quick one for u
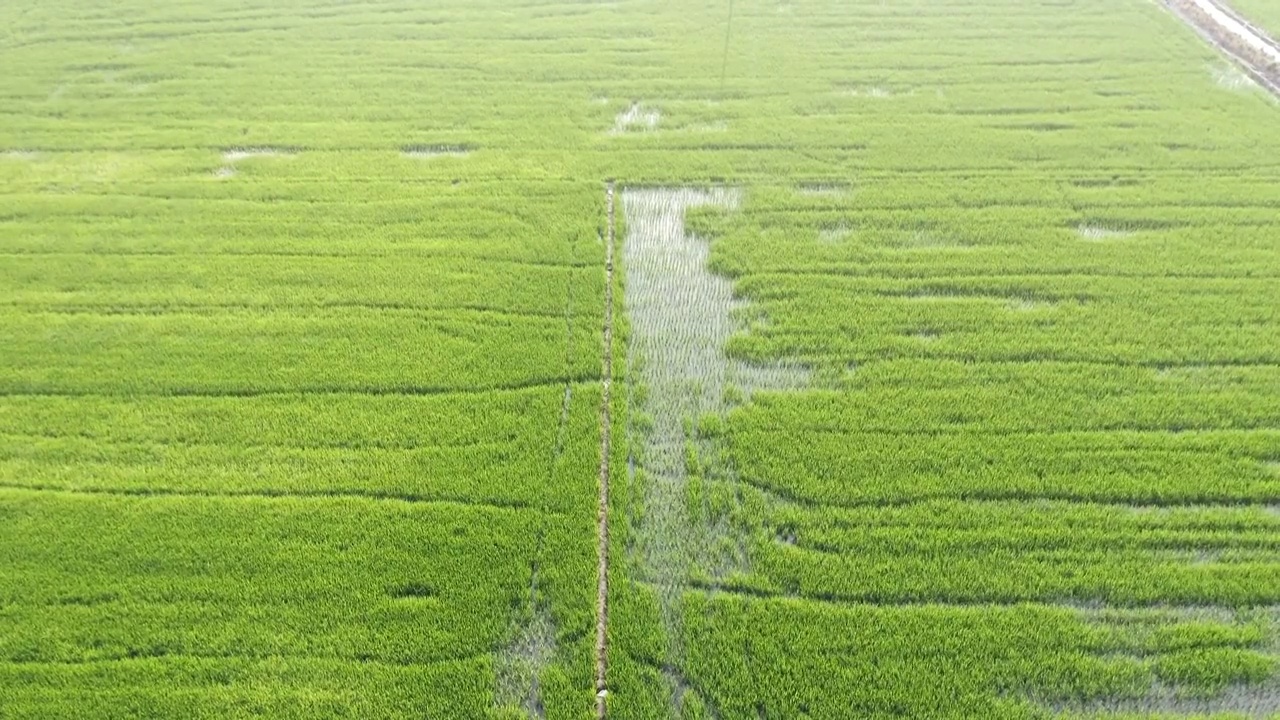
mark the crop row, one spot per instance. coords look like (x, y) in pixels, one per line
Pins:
(293, 421)
(488, 466)
(60, 209)
(1147, 468)
(176, 282)
(150, 587)
(248, 352)
(1035, 289)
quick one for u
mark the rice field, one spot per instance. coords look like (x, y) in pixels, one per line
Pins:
(943, 341)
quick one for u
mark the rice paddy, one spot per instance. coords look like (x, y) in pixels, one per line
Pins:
(940, 374)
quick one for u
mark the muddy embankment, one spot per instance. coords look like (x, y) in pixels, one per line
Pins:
(1256, 52)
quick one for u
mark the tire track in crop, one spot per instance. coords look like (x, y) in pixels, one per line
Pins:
(606, 423)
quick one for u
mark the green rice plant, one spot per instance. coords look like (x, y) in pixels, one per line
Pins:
(300, 323)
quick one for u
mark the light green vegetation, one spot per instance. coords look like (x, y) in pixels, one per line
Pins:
(304, 435)
(1035, 278)
(315, 433)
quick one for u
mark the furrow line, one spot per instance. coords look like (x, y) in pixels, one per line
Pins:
(268, 495)
(250, 657)
(410, 391)
(1064, 604)
(975, 430)
(10, 434)
(884, 271)
(264, 255)
(780, 496)
(108, 309)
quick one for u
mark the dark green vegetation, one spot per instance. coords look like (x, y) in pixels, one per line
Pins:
(295, 423)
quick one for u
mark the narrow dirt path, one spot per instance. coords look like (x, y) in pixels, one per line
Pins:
(606, 433)
(1249, 46)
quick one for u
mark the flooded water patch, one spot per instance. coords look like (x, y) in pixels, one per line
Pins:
(236, 154)
(519, 665)
(636, 118)
(681, 316)
(1099, 233)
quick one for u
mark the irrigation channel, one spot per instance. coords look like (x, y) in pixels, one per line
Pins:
(1242, 41)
